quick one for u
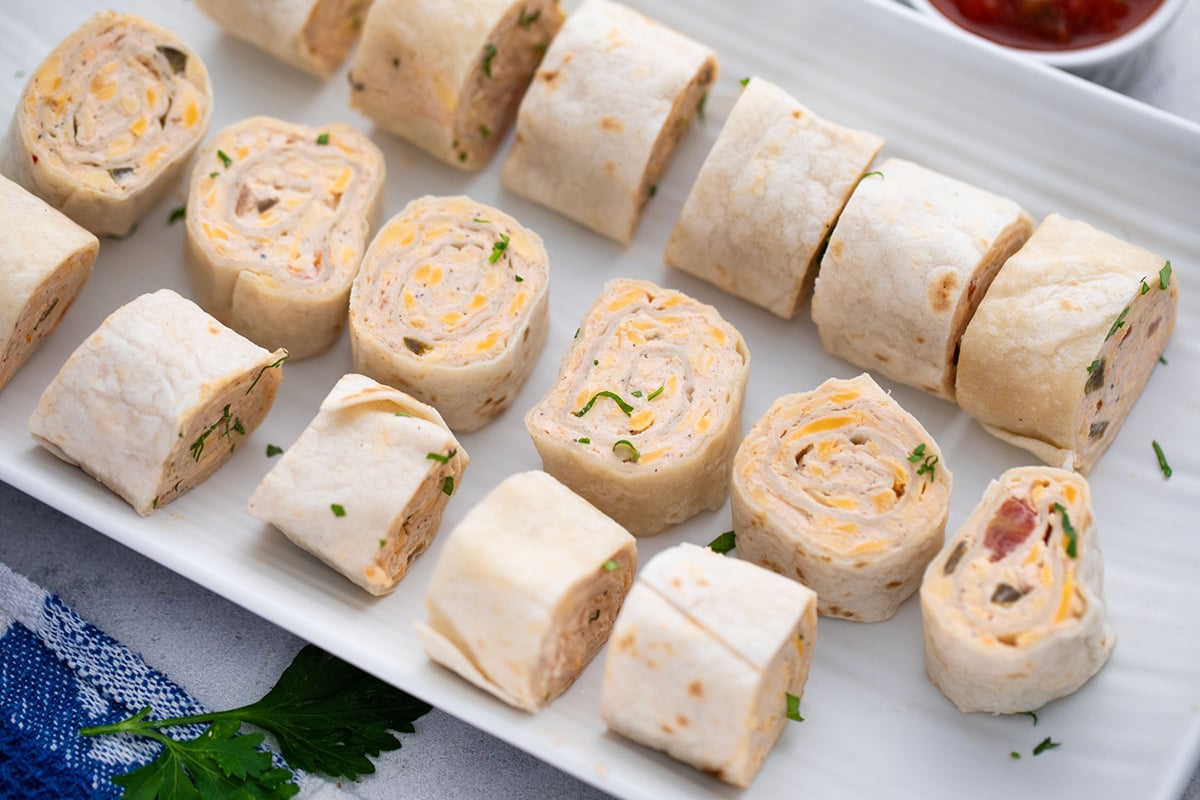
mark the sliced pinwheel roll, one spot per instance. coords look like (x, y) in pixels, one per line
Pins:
(526, 589)
(843, 490)
(450, 306)
(757, 217)
(1013, 606)
(606, 108)
(312, 35)
(45, 259)
(368, 530)
(278, 217)
(708, 659)
(645, 416)
(910, 259)
(157, 399)
(448, 75)
(108, 121)
(1065, 341)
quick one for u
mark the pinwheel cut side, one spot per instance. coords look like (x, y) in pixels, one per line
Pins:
(45, 259)
(448, 75)
(1065, 341)
(369, 530)
(278, 217)
(1013, 606)
(526, 590)
(703, 658)
(908, 263)
(156, 399)
(106, 124)
(645, 415)
(450, 306)
(843, 490)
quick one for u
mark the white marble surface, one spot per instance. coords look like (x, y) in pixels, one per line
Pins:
(225, 655)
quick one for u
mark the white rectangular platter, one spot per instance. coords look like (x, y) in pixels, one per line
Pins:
(875, 726)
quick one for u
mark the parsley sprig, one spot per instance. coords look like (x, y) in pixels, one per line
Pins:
(328, 717)
(928, 462)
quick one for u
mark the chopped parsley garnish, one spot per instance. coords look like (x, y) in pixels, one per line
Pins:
(231, 423)
(723, 543)
(917, 454)
(609, 565)
(700, 106)
(1164, 276)
(869, 174)
(576, 333)
(382, 543)
(525, 20)
(1118, 324)
(442, 459)
(1092, 367)
(636, 393)
(323, 138)
(625, 449)
(518, 279)
(595, 362)
(1044, 745)
(489, 52)
(448, 485)
(1014, 755)
(226, 160)
(1162, 459)
(653, 190)
(584, 440)
(744, 81)
(273, 450)
(793, 708)
(1145, 286)
(1072, 538)
(338, 509)
(485, 131)
(278, 362)
(1162, 360)
(213, 174)
(498, 248)
(176, 215)
(621, 404)
(1031, 714)
(655, 393)
(484, 221)
(928, 462)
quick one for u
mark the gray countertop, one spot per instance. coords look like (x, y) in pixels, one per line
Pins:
(225, 655)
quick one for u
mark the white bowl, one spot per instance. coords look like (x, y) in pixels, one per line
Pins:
(1110, 62)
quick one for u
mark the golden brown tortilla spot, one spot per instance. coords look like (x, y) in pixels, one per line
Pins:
(941, 293)
(611, 124)
(836, 610)
(610, 169)
(1067, 304)
(800, 575)
(676, 582)
(627, 642)
(796, 113)
(667, 729)
(880, 357)
(836, 247)
(920, 340)
(696, 688)
(682, 721)
(213, 329)
(548, 75)
(859, 564)
(892, 585)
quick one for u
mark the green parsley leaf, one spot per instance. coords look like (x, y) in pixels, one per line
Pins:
(744, 81)
(498, 248)
(442, 459)
(1162, 459)
(273, 450)
(584, 440)
(176, 215)
(277, 363)
(928, 462)
(636, 393)
(577, 333)
(448, 485)
(621, 404)
(1014, 755)
(213, 174)
(1162, 361)
(485, 131)
(484, 221)
(723, 543)
(917, 454)
(793, 708)
(869, 174)
(700, 106)
(225, 159)
(338, 509)
(609, 565)
(1031, 714)
(656, 392)
(489, 52)
(1118, 324)
(1072, 537)
(653, 190)
(518, 279)
(625, 449)
(1092, 367)
(1164, 275)
(1044, 745)
(525, 19)
(1145, 286)
(323, 138)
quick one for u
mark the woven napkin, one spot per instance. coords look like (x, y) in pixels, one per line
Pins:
(60, 673)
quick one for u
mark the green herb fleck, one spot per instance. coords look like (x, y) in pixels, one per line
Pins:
(197, 447)
(1031, 715)
(525, 20)
(625, 449)
(1092, 367)
(518, 279)
(1162, 460)
(442, 459)
(382, 543)
(448, 485)
(226, 160)
(1145, 286)
(576, 333)
(154, 503)
(621, 404)
(213, 174)
(653, 190)
(273, 450)
(1044, 745)
(744, 81)
(498, 248)
(1118, 324)
(610, 565)
(176, 215)
(723, 543)
(656, 392)
(485, 131)
(403, 414)
(928, 462)
(462, 156)
(323, 138)
(869, 174)
(338, 509)
(700, 107)
(278, 362)
(484, 221)
(636, 393)
(595, 362)
(917, 454)
(584, 440)
(489, 52)
(1164, 275)
(793, 708)
(1072, 537)
(1162, 360)
(1014, 755)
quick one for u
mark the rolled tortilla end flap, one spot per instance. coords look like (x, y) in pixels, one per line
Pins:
(1013, 606)
(369, 530)
(526, 590)
(451, 306)
(843, 490)
(645, 415)
(703, 658)
(156, 399)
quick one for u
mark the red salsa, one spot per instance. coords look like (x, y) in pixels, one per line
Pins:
(1048, 24)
